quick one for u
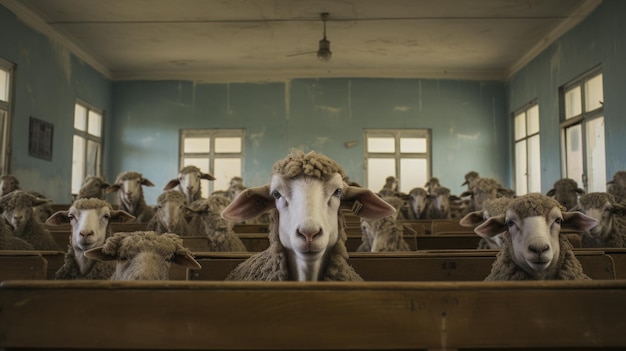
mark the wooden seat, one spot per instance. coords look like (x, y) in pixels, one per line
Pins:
(153, 315)
(449, 241)
(448, 225)
(24, 265)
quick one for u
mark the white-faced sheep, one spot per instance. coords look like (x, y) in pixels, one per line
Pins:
(383, 234)
(8, 241)
(486, 188)
(170, 216)
(419, 199)
(206, 221)
(17, 209)
(491, 208)
(130, 193)
(143, 255)
(307, 240)
(438, 204)
(93, 187)
(617, 186)
(188, 183)
(90, 221)
(44, 210)
(566, 192)
(533, 247)
(8, 183)
(610, 231)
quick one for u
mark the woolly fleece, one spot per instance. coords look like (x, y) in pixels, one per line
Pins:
(33, 231)
(387, 230)
(616, 236)
(206, 221)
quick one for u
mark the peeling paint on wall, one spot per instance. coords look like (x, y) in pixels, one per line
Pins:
(64, 59)
(319, 143)
(330, 110)
(468, 136)
(401, 108)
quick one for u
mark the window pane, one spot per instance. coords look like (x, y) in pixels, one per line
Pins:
(225, 169)
(533, 120)
(227, 144)
(80, 117)
(574, 153)
(413, 145)
(413, 173)
(381, 145)
(520, 126)
(534, 165)
(197, 145)
(594, 93)
(4, 85)
(3, 140)
(78, 163)
(203, 164)
(378, 169)
(573, 102)
(95, 123)
(521, 179)
(93, 158)
(596, 162)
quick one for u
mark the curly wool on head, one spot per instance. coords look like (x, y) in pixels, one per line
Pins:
(496, 207)
(170, 196)
(130, 244)
(17, 199)
(128, 175)
(90, 204)
(534, 204)
(311, 164)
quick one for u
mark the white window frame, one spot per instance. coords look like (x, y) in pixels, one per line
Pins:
(397, 154)
(5, 122)
(90, 137)
(212, 155)
(583, 119)
(530, 183)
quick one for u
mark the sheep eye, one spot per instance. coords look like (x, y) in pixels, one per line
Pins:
(558, 221)
(276, 194)
(338, 193)
(71, 217)
(106, 216)
(510, 223)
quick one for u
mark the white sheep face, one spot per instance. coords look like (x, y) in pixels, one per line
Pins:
(535, 240)
(131, 189)
(89, 226)
(170, 214)
(189, 184)
(308, 210)
(18, 217)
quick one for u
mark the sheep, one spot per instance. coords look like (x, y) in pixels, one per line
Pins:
(93, 187)
(611, 228)
(8, 183)
(533, 248)
(432, 184)
(418, 202)
(188, 182)
(383, 234)
(617, 186)
(566, 192)
(130, 193)
(438, 204)
(90, 221)
(143, 255)
(307, 240)
(486, 188)
(390, 188)
(17, 209)
(170, 215)
(206, 220)
(8, 241)
(44, 210)
(491, 208)
(471, 178)
(236, 186)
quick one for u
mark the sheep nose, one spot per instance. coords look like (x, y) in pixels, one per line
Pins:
(309, 234)
(539, 249)
(86, 233)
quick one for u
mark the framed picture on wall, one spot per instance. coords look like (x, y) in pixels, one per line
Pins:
(40, 135)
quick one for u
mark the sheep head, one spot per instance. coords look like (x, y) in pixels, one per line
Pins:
(17, 208)
(603, 208)
(307, 190)
(566, 192)
(93, 186)
(8, 183)
(533, 222)
(418, 201)
(491, 208)
(130, 184)
(188, 182)
(170, 209)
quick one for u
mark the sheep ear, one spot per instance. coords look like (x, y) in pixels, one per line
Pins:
(121, 216)
(186, 260)
(207, 176)
(113, 188)
(466, 193)
(577, 221)
(580, 191)
(619, 209)
(249, 204)
(472, 219)
(171, 184)
(551, 192)
(98, 254)
(364, 203)
(58, 218)
(146, 182)
(491, 227)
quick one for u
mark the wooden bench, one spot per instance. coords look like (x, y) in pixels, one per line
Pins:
(314, 316)
(448, 225)
(458, 265)
(22, 265)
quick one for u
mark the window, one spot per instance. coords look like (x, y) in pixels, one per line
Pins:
(527, 151)
(404, 154)
(87, 149)
(582, 126)
(215, 151)
(6, 83)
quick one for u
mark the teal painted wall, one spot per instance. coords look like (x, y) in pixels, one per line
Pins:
(48, 80)
(468, 121)
(599, 40)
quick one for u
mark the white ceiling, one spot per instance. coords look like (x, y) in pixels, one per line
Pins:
(235, 40)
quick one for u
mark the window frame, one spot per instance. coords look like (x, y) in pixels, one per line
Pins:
(397, 155)
(5, 126)
(90, 137)
(525, 110)
(212, 155)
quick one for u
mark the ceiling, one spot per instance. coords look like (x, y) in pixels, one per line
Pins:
(246, 40)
